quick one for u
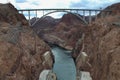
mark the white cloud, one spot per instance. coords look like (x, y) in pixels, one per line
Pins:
(42, 4)
(3, 1)
(93, 4)
(32, 4)
(35, 4)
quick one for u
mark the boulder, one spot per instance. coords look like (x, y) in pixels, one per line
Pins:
(47, 75)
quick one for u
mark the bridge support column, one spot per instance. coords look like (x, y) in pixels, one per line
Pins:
(29, 16)
(77, 11)
(101, 14)
(90, 18)
(83, 14)
(43, 12)
(36, 13)
(95, 15)
(21, 12)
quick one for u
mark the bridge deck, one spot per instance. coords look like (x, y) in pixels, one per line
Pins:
(62, 9)
(89, 12)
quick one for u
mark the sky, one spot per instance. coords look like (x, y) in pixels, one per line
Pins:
(40, 4)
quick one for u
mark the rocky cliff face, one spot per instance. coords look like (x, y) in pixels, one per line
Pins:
(102, 44)
(21, 51)
(43, 25)
(112, 10)
(9, 14)
(65, 33)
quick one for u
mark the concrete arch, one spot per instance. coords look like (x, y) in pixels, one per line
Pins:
(60, 11)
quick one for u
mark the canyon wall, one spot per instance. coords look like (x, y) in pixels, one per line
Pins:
(21, 50)
(102, 45)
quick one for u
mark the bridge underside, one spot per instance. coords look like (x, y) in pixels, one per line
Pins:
(76, 14)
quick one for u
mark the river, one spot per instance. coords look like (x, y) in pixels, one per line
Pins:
(64, 66)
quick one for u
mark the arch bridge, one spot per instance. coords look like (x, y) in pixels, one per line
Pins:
(80, 13)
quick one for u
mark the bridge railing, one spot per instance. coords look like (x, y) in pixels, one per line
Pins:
(83, 12)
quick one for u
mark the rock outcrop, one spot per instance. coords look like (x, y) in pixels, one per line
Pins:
(111, 10)
(102, 45)
(21, 50)
(65, 33)
(9, 14)
(43, 25)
